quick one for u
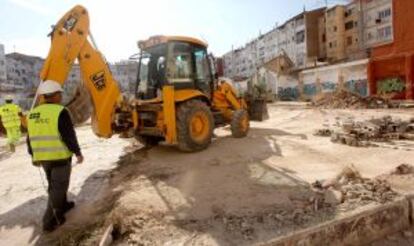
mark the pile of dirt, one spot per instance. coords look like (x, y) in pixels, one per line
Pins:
(342, 99)
(346, 192)
(240, 229)
(363, 133)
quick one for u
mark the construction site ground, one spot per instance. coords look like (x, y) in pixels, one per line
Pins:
(237, 192)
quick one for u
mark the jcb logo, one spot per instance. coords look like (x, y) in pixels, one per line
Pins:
(98, 80)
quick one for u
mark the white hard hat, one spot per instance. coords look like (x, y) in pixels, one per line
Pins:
(8, 97)
(49, 87)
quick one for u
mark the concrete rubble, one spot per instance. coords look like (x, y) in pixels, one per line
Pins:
(234, 197)
(346, 192)
(364, 133)
(341, 99)
(403, 169)
(350, 189)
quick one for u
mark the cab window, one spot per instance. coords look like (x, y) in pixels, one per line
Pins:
(202, 69)
(180, 63)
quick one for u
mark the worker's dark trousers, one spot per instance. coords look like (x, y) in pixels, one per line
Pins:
(58, 176)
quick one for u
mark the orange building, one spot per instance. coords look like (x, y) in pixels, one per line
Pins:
(391, 68)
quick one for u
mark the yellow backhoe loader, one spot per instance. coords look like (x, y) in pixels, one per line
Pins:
(178, 99)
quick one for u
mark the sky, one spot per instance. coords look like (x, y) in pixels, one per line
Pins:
(117, 25)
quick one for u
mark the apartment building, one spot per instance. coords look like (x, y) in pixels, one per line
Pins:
(391, 67)
(377, 22)
(292, 39)
(19, 75)
(323, 52)
(3, 67)
(241, 63)
(297, 38)
(335, 33)
(125, 73)
(354, 49)
(22, 72)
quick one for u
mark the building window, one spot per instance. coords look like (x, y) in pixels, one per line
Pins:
(349, 12)
(335, 28)
(384, 14)
(384, 33)
(349, 25)
(324, 38)
(300, 37)
(349, 41)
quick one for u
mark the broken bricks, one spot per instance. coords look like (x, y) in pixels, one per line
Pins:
(346, 99)
(351, 189)
(362, 133)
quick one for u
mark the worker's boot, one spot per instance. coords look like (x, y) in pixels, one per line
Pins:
(68, 206)
(12, 148)
(54, 224)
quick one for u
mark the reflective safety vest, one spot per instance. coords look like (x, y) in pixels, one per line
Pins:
(9, 113)
(44, 136)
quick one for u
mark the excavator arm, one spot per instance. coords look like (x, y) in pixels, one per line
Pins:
(69, 41)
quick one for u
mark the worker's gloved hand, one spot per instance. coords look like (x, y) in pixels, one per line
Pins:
(79, 159)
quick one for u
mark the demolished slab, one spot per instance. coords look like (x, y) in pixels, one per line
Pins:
(365, 133)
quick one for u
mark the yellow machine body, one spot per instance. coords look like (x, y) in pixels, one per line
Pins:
(179, 111)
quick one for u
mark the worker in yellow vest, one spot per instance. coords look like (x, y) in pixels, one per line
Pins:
(51, 142)
(10, 115)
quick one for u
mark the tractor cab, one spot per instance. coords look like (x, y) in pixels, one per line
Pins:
(178, 61)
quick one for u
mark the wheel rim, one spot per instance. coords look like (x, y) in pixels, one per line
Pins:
(199, 127)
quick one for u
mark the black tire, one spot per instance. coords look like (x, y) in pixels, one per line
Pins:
(148, 141)
(186, 113)
(240, 123)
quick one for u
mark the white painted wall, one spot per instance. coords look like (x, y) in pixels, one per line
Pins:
(354, 77)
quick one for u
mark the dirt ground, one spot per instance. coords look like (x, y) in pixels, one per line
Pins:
(237, 192)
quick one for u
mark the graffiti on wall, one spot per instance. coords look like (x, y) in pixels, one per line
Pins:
(359, 86)
(310, 89)
(390, 85)
(328, 86)
(288, 93)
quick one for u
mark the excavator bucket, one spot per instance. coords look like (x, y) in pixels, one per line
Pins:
(258, 109)
(80, 107)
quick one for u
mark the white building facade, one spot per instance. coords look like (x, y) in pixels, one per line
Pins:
(19, 76)
(377, 22)
(3, 67)
(291, 39)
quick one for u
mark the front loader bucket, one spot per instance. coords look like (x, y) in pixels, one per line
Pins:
(258, 110)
